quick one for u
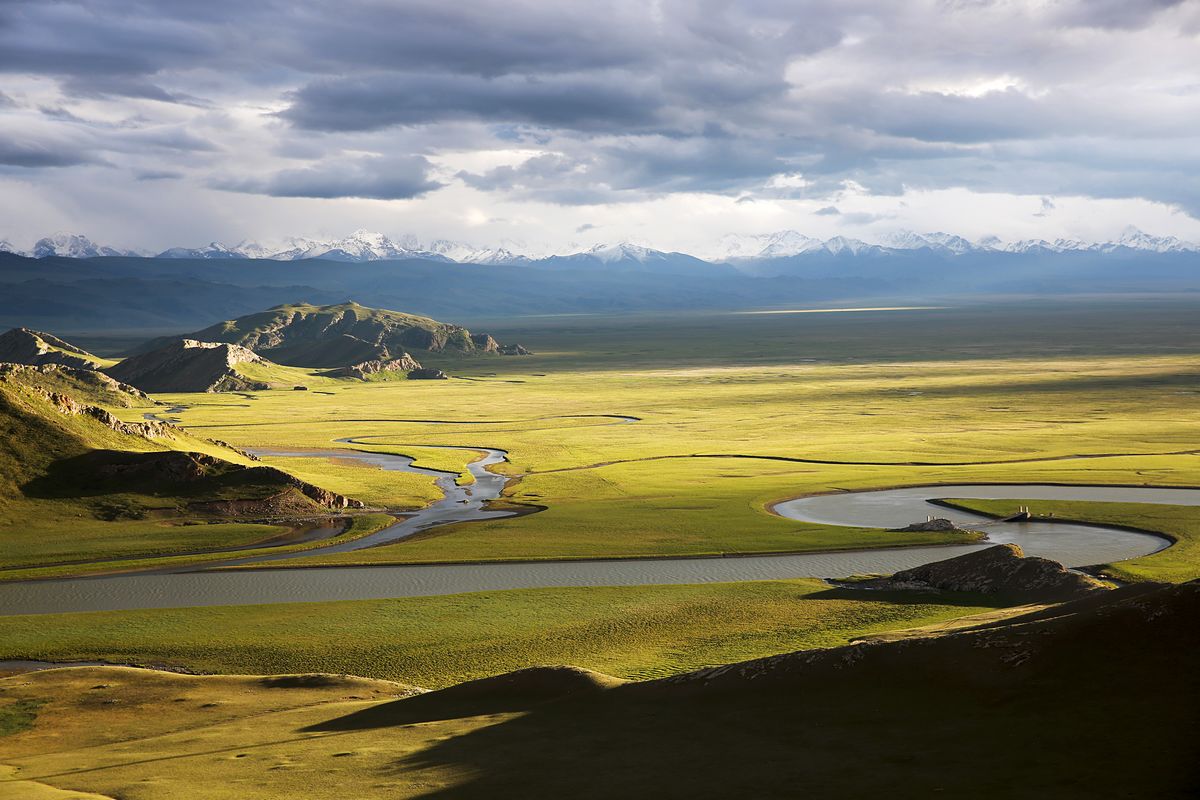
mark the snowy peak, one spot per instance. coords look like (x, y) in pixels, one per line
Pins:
(1135, 239)
(72, 245)
(211, 250)
(612, 253)
(781, 244)
(785, 244)
(468, 254)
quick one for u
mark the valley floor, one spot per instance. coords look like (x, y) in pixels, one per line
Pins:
(731, 413)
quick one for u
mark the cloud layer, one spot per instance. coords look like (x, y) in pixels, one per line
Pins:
(527, 110)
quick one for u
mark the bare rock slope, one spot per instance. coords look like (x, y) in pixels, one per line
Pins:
(188, 365)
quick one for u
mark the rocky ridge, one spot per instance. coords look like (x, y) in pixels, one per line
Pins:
(365, 369)
(35, 348)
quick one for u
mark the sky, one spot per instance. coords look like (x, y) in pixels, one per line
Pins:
(554, 125)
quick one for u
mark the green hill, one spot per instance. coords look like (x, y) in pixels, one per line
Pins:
(338, 335)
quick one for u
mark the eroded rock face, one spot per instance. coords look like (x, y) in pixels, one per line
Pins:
(25, 346)
(65, 404)
(188, 365)
(405, 363)
(514, 350)
(484, 343)
(1001, 570)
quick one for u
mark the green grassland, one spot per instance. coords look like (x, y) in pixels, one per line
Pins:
(135, 548)
(1178, 563)
(632, 632)
(737, 411)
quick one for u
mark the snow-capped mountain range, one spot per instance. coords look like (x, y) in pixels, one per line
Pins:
(368, 246)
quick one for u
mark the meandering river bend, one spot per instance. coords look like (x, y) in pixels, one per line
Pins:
(1074, 545)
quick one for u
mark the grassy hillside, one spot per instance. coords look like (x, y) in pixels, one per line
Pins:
(1033, 706)
(77, 483)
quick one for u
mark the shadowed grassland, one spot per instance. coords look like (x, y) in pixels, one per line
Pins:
(632, 632)
(1178, 563)
(1028, 709)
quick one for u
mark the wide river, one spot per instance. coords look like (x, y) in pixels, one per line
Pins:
(1074, 545)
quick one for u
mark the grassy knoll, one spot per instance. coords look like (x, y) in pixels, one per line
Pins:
(1178, 563)
(633, 632)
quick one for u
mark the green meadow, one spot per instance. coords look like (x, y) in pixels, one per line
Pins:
(631, 632)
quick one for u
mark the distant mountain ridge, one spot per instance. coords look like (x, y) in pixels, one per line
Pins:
(364, 246)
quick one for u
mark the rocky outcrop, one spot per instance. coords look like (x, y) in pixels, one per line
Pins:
(149, 429)
(484, 343)
(25, 346)
(405, 363)
(188, 365)
(175, 469)
(68, 405)
(514, 350)
(1003, 570)
(933, 524)
(427, 374)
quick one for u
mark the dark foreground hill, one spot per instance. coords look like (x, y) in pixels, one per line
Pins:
(62, 454)
(338, 335)
(1095, 698)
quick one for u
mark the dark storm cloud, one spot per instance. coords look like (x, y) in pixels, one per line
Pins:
(622, 99)
(578, 102)
(371, 178)
(32, 155)
(1114, 13)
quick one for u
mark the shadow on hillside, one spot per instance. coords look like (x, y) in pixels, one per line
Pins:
(1083, 706)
